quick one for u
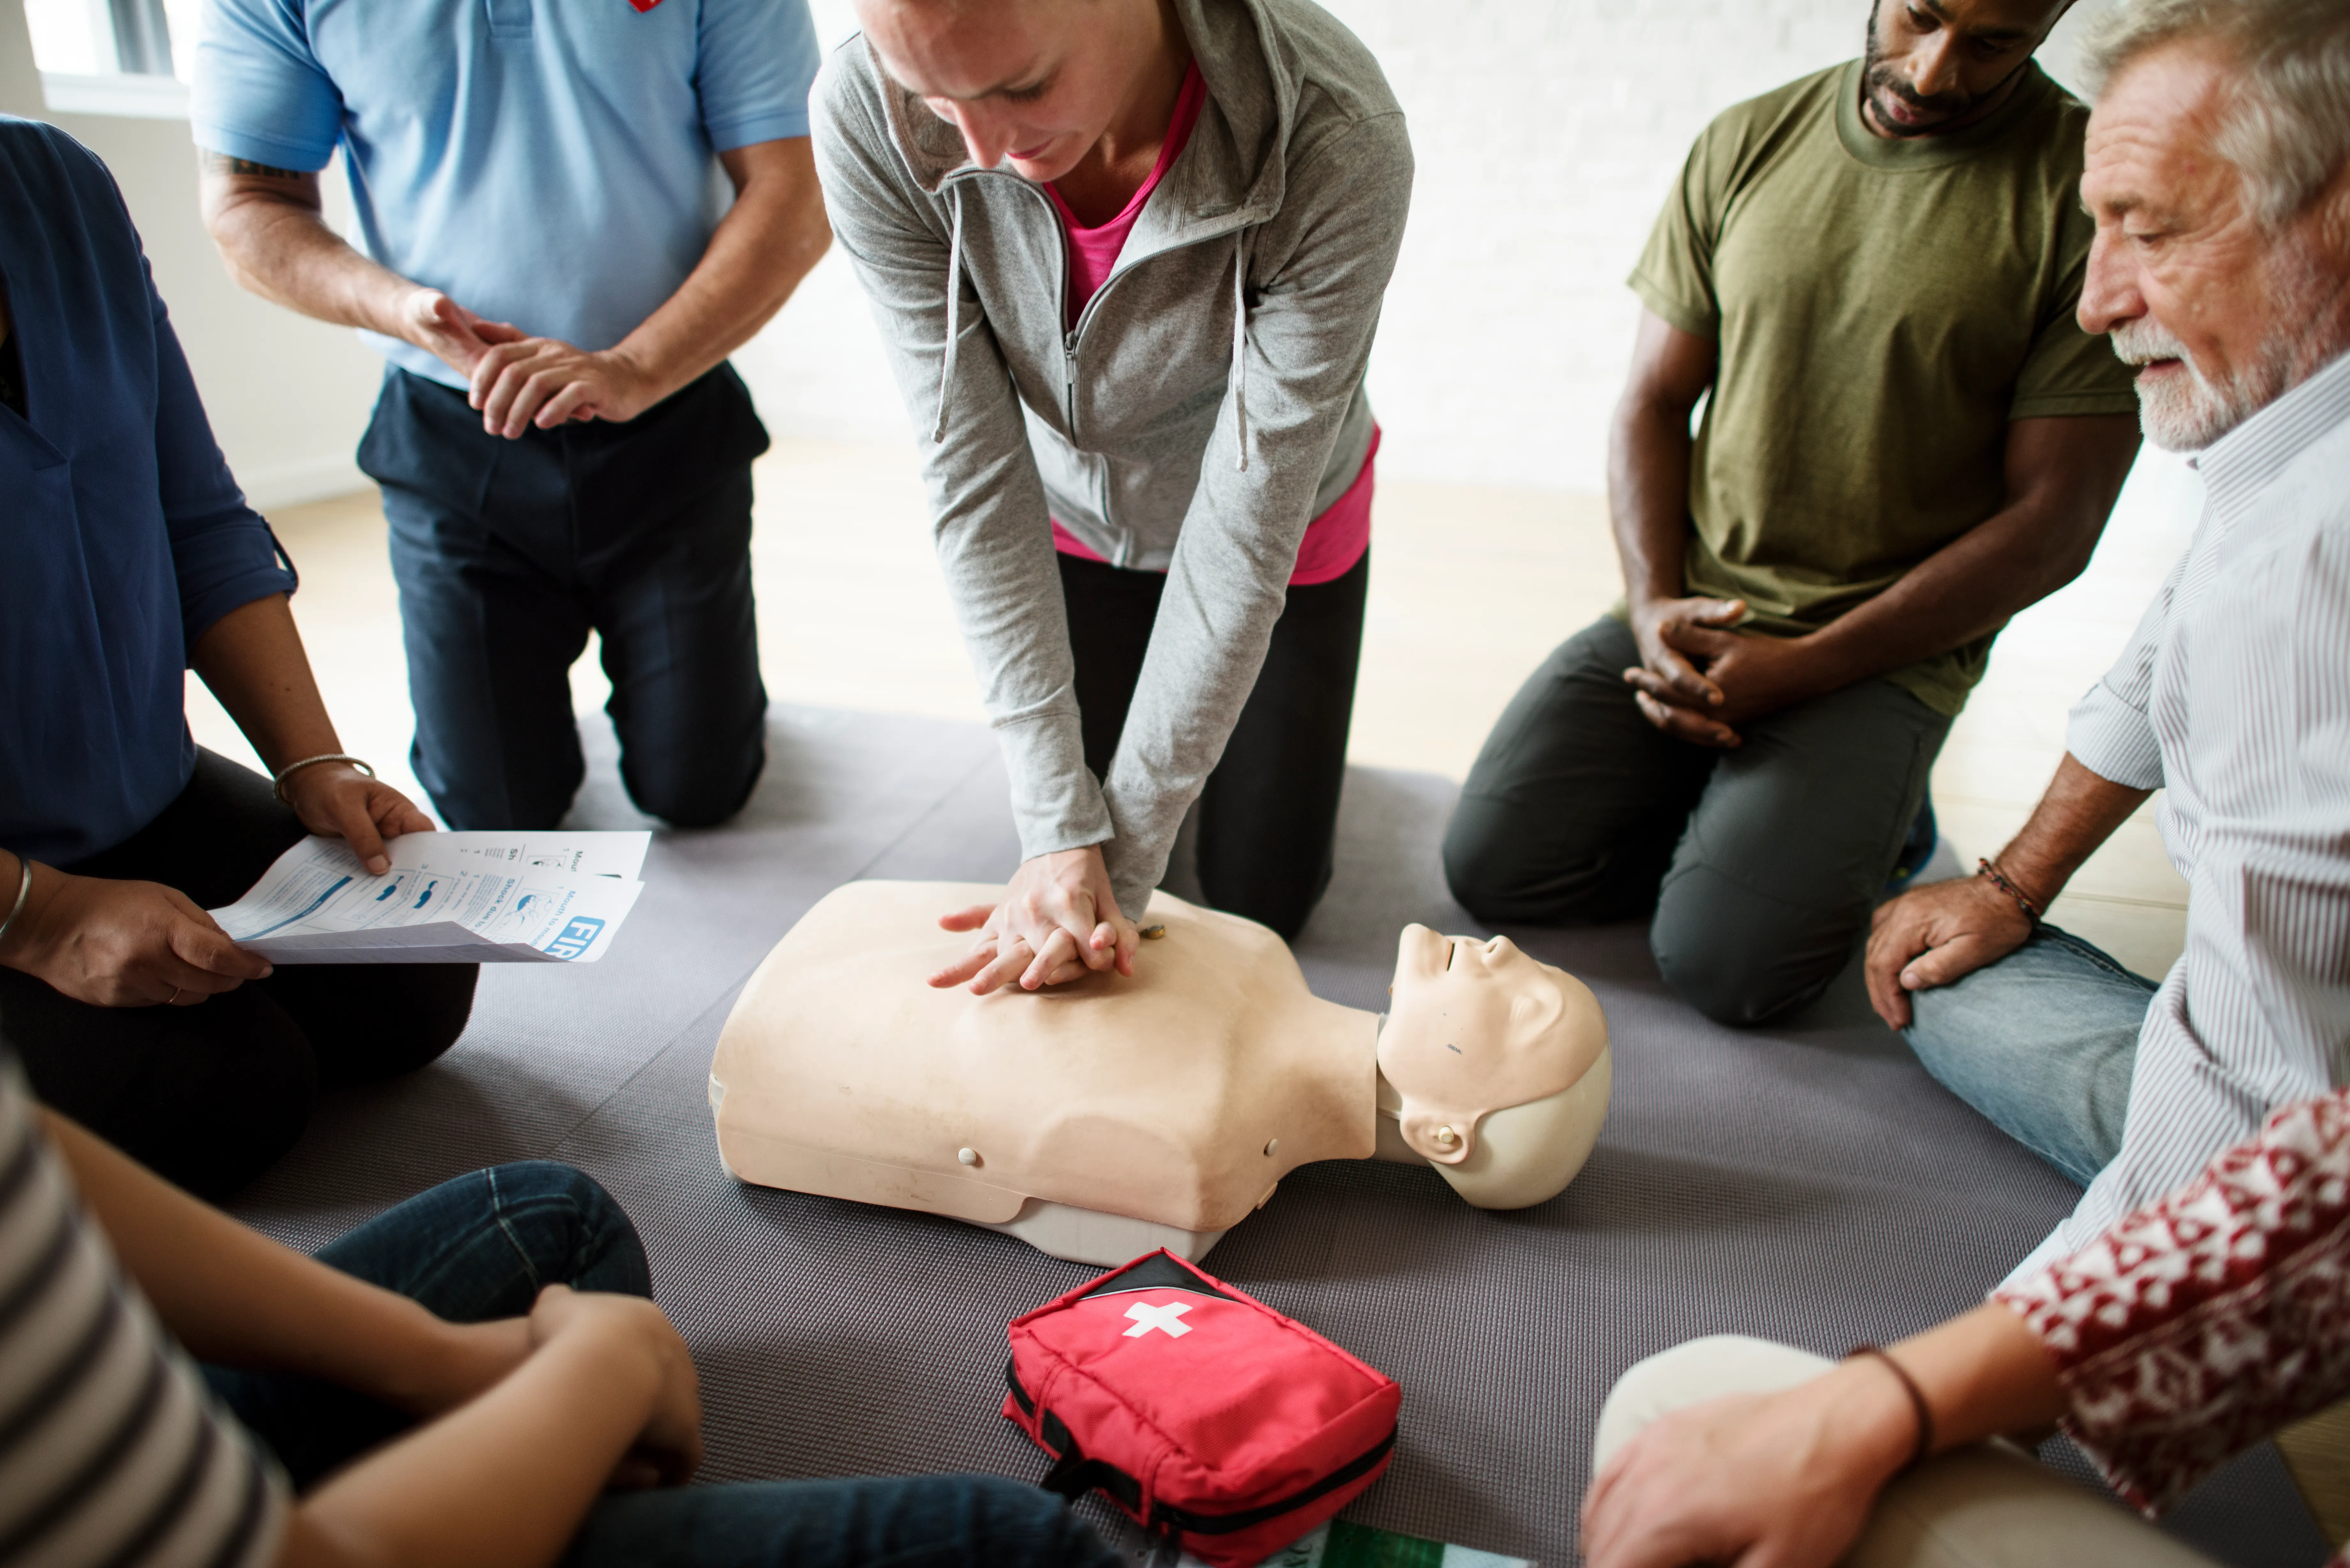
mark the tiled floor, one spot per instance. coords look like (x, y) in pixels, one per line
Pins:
(1470, 589)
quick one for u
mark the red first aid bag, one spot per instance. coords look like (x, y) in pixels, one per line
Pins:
(1207, 1415)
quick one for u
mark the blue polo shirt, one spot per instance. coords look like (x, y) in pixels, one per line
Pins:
(543, 162)
(122, 537)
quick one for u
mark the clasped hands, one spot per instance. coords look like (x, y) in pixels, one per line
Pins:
(1699, 678)
(115, 943)
(1058, 919)
(435, 1366)
(517, 381)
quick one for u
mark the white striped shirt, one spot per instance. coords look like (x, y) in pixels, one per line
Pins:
(111, 1450)
(2233, 697)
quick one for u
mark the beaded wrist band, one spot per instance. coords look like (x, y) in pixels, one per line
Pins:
(278, 784)
(1999, 880)
(1925, 1444)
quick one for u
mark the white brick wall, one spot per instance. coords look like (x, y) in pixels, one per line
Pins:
(1547, 134)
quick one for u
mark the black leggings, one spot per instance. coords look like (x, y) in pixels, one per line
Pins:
(1268, 818)
(210, 1095)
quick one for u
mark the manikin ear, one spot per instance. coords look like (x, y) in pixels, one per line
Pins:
(1422, 954)
(1526, 1154)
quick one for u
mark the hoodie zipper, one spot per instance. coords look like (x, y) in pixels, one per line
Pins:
(1071, 336)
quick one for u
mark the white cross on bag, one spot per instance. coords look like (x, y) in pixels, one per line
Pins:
(1147, 1317)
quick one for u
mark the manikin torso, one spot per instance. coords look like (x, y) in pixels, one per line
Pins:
(1112, 1115)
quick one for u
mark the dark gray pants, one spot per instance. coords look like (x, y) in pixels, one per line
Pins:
(1760, 864)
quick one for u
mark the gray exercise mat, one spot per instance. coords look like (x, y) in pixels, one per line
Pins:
(1807, 1183)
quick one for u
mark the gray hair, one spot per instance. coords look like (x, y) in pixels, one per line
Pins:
(2287, 126)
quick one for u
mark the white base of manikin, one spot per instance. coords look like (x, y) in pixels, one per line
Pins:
(1079, 1235)
(1090, 1236)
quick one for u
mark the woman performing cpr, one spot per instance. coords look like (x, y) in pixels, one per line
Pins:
(1128, 257)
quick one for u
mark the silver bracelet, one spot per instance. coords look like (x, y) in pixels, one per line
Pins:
(278, 784)
(23, 891)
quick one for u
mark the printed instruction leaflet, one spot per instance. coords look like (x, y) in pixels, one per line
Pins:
(449, 898)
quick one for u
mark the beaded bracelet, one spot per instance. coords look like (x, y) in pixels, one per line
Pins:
(1999, 880)
(1925, 1445)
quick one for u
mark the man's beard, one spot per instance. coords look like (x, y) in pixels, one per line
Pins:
(2188, 413)
(1881, 80)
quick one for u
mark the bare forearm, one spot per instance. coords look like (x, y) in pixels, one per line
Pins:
(253, 662)
(769, 239)
(501, 1482)
(1649, 455)
(271, 229)
(2076, 815)
(1984, 1375)
(234, 1296)
(2063, 475)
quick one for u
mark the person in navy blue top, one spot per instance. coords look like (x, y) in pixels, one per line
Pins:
(131, 557)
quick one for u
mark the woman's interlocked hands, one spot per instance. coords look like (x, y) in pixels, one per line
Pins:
(1058, 919)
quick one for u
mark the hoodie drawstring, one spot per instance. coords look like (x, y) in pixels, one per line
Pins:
(954, 304)
(1240, 342)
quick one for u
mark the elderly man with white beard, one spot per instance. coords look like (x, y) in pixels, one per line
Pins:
(2192, 1303)
(2218, 175)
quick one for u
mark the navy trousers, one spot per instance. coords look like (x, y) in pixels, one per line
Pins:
(508, 553)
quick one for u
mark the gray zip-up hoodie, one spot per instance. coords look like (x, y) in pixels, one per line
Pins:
(1208, 405)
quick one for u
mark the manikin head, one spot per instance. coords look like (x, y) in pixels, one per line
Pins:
(1031, 83)
(2218, 175)
(1493, 1065)
(1939, 66)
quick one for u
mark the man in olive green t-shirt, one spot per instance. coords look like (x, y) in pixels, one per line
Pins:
(1870, 276)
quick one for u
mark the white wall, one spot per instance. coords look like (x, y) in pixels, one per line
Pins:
(1547, 134)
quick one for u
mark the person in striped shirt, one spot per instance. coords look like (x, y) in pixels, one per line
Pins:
(2218, 175)
(477, 1376)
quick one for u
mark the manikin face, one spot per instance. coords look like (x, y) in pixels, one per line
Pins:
(1475, 1027)
(1031, 83)
(1937, 65)
(2223, 314)
(1490, 991)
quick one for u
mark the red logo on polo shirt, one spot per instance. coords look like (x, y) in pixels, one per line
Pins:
(643, 6)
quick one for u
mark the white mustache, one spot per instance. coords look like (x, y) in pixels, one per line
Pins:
(2141, 342)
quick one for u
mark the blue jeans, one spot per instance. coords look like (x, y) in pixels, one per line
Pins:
(2041, 1042)
(481, 1247)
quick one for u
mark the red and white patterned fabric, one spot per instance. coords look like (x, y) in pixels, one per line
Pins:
(2204, 1321)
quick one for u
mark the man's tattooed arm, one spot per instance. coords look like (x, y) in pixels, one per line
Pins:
(222, 163)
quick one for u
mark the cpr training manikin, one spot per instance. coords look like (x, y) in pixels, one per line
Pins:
(1112, 1115)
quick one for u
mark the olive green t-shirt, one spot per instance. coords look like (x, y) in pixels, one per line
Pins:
(1883, 309)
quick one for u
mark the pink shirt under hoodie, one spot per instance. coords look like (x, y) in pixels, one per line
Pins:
(1335, 540)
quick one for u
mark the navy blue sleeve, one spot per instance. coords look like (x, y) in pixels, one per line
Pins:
(223, 554)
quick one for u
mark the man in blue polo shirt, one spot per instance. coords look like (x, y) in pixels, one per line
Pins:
(561, 445)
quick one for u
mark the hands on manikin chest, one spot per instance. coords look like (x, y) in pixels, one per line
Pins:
(1113, 1115)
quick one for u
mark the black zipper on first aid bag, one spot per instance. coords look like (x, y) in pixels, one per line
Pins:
(1072, 1475)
